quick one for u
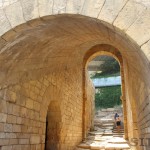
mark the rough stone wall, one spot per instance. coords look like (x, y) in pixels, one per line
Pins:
(89, 103)
(40, 48)
(22, 121)
(137, 101)
(24, 108)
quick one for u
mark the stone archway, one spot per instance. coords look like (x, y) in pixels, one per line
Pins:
(99, 50)
(36, 54)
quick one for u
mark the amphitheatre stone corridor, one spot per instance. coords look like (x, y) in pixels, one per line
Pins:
(45, 47)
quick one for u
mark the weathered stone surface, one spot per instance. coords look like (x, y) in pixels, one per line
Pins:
(2, 135)
(35, 139)
(45, 7)
(16, 128)
(8, 36)
(111, 9)
(92, 8)
(13, 141)
(24, 141)
(46, 61)
(29, 103)
(4, 23)
(11, 135)
(74, 6)
(8, 128)
(3, 106)
(2, 43)
(11, 119)
(14, 14)
(59, 6)
(128, 15)
(4, 142)
(146, 49)
(6, 148)
(3, 117)
(30, 9)
(142, 25)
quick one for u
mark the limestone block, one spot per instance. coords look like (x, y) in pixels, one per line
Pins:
(21, 100)
(19, 120)
(33, 95)
(23, 112)
(92, 8)
(3, 106)
(35, 139)
(23, 141)
(36, 106)
(8, 36)
(16, 128)
(13, 141)
(25, 147)
(10, 108)
(129, 14)
(4, 141)
(59, 6)
(16, 110)
(30, 9)
(16, 147)
(14, 14)
(12, 96)
(3, 117)
(74, 6)
(2, 43)
(146, 49)
(29, 103)
(1, 127)
(11, 119)
(22, 27)
(140, 29)
(2, 135)
(8, 127)
(45, 7)
(111, 9)
(4, 23)
(6, 148)
(10, 135)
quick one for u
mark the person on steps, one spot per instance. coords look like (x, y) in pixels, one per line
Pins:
(118, 123)
(116, 115)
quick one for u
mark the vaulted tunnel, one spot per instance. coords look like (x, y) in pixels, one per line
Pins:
(43, 67)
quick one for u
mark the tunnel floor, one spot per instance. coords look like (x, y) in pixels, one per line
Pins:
(105, 135)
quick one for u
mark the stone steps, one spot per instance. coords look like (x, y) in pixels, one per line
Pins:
(104, 137)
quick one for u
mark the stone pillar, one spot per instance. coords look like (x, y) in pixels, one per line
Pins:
(125, 117)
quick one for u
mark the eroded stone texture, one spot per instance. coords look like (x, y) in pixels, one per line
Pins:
(128, 15)
(74, 6)
(141, 27)
(4, 23)
(30, 9)
(15, 18)
(59, 6)
(45, 7)
(51, 54)
(111, 9)
(146, 49)
(94, 8)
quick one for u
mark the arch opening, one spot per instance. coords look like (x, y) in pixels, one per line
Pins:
(102, 50)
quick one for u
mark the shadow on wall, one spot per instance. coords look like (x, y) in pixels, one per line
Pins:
(53, 126)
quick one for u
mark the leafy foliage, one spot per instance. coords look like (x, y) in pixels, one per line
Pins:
(109, 68)
(107, 97)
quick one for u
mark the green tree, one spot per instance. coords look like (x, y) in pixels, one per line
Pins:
(106, 97)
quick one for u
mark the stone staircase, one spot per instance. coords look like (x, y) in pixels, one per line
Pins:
(104, 137)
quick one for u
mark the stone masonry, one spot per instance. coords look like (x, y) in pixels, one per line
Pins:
(44, 46)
